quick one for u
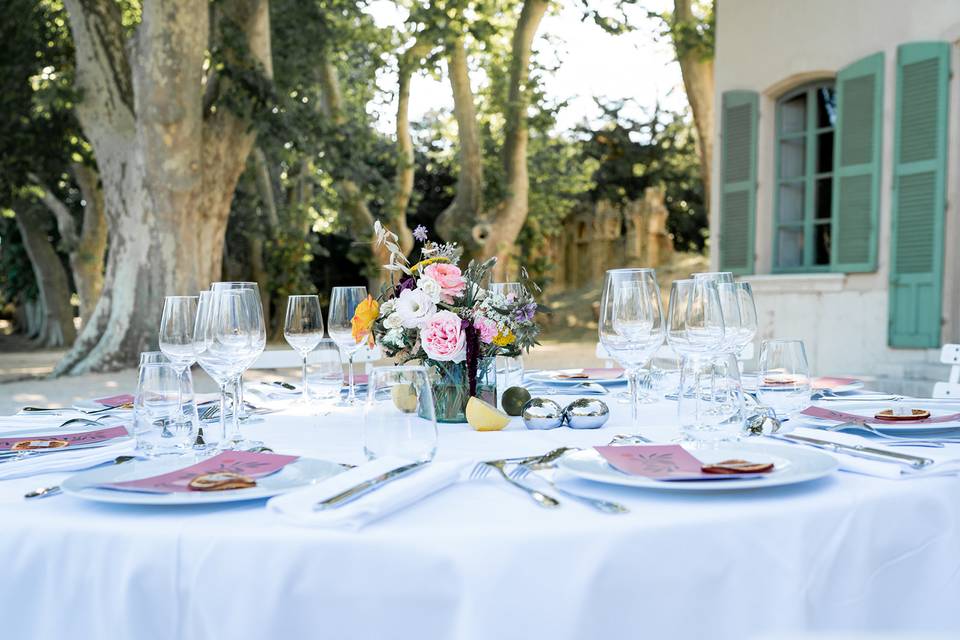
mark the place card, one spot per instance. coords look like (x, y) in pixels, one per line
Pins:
(116, 401)
(590, 374)
(662, 462)
(245, 463)
(66, 441)
(842, 416)
(828, 382)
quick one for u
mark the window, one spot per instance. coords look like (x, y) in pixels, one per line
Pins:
(805, 123)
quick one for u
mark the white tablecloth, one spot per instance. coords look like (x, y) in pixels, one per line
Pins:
(480, 561)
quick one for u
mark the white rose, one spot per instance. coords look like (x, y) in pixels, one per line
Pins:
(414, 307)
(387, 308)
(393, 321)
(431, 288)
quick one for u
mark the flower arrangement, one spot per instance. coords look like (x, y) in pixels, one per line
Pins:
(440, 315)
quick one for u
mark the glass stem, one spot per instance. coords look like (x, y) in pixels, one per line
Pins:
(180, 375)
(633, 379)
(223, 412)
(235, 418)
(351, 394)
(306, 389)
(696, 391)
(242, 410)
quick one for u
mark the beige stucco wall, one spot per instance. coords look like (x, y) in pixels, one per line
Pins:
(771, 46)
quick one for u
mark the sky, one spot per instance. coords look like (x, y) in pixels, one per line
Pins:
(636, 65)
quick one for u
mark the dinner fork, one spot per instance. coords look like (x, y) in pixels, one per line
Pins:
(522, 471)
(481, 470)
(897, 440)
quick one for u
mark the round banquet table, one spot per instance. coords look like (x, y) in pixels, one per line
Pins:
(480, 560)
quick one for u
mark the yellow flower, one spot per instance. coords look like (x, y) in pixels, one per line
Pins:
(504, 337)
(363, 319)
(429, 261)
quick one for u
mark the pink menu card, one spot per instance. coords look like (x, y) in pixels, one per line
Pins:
(253, 465)
(842, 416)
(828, 382)
(73, 440)
(115, 401)
(662, 462)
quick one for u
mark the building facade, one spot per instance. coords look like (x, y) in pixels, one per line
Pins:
(837, 173)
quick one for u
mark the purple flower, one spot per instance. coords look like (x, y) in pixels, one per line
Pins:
(407, 282)
(420, 233)
(526, 312)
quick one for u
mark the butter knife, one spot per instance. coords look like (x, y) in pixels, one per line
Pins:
(861, 451)
(367, 486)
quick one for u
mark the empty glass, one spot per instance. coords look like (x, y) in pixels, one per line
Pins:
(261, 343)
(710, 399)
(325, 371)
(784, 383)
(631, 323)
(749, 323)
(156, 411)
(399, 418)
(177, 324)
(343, 305)
(303, 330)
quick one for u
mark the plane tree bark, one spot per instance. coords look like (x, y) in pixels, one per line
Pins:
(169, 155)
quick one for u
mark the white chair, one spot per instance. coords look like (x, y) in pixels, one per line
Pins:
(949, 354)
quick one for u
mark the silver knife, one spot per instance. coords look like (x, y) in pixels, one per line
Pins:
(861, 451)
(366, 487)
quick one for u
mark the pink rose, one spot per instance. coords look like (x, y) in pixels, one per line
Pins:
(443, 338)
(449, 278)
(487, 329)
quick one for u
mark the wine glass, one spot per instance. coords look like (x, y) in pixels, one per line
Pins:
(713, 414)
(343, 305)
(784, 383)
(631, 323)
(227, 337)
(177, 343)
(749, 324)
(509, 290)
(303, 330)
(261, 338)
(704, 317)
(399, 418)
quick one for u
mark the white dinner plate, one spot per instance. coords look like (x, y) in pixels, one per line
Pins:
(301, 473)
(869, 410)
(553, 377)
(791, 465)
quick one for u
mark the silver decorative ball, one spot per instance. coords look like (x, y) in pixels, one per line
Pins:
(586, 413)
(542, 413)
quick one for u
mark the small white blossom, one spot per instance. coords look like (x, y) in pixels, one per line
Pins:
(393, 338)
(393, 321)
(387, 308)
(431, 288)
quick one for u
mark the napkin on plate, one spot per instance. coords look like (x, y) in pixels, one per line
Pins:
(946, 460)
(297, 506)
(38, 463)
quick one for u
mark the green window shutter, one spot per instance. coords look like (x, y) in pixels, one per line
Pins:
(918, 205)
(738, 180)
(856, 166)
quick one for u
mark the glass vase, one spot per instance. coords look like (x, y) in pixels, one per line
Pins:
(451, 387)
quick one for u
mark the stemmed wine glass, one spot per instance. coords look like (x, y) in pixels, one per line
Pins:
(303, 330)
(261, 337)
(228, 340)
(512, 367)
(631, 323)
(177, 342)
(749, 324)
(343, 305)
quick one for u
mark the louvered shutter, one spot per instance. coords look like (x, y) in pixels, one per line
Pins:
(856, 162)
(738, 180)
(916, 269)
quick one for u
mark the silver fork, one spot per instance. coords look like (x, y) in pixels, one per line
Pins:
(522, 471)
(897, 440)
(481, 470)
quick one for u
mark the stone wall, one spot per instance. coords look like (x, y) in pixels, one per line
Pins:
(604, 236)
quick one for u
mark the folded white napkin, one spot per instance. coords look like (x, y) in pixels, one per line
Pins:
(65, 460)
(297, 507)
(946, 461)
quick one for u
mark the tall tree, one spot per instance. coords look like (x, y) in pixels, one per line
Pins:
(170, 130)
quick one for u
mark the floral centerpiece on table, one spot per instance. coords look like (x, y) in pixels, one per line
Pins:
(444, 317)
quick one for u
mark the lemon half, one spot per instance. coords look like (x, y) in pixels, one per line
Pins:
(483, 416)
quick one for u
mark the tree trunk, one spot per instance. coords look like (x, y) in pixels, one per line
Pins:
(56, 328)
(169, 168)
(87, 257)
(409, 62)
(462, 221)
(511, 213)
(696, 67)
